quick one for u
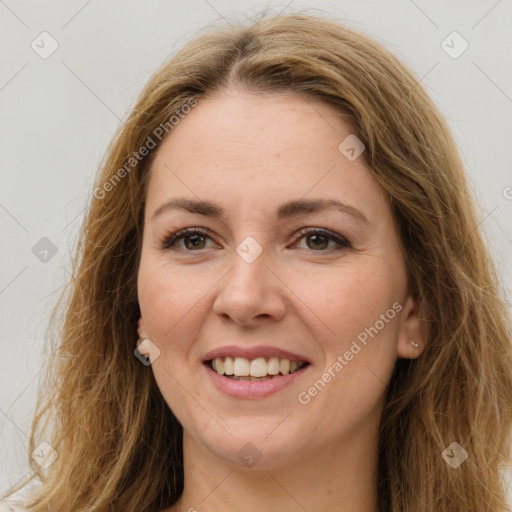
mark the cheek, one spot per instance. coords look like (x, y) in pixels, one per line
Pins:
(359, 347)
(356, 329)
(166, 290)
(167, 295)
(169, 301)
(344, 301)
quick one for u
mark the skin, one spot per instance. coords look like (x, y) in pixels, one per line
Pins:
(250, 154)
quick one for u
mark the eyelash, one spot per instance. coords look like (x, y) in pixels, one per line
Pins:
(169, 241)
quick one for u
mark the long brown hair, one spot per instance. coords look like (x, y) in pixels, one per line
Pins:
(119, 445)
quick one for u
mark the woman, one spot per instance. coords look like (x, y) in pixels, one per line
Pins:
(281, 299)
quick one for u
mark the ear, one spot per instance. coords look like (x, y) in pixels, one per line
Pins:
(141, 342)
(141, 329)
(144, 345)
(411, 330)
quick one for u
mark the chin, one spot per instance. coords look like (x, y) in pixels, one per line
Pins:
(263, 449)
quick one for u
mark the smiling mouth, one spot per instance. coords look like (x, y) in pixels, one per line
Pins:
(259, 369)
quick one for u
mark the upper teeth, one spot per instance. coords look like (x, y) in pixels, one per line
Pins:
(259, 367)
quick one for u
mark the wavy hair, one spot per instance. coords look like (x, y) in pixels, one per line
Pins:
(119, 444)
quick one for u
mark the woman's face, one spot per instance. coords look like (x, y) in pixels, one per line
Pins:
(274, 273)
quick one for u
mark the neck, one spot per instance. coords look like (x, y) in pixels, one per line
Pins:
(341, 477)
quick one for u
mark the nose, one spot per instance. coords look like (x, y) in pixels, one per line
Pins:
(251, 293)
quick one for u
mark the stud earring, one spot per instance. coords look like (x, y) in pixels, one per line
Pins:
(414, 344)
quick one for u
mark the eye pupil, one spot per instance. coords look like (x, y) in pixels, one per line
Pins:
(197, 240)
(317, 237)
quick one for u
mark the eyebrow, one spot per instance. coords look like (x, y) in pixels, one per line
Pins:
(286, 210)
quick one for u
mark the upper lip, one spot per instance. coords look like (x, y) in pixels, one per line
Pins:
(253, 353)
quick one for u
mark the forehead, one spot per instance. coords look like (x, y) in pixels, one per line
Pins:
(260, 149)
(261, 127)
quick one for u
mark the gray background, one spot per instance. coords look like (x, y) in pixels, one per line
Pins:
(59, 113)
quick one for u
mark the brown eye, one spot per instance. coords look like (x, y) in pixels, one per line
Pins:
(193, 239)
(318, 240)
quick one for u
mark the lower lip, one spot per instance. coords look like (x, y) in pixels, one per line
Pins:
(253, 389)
